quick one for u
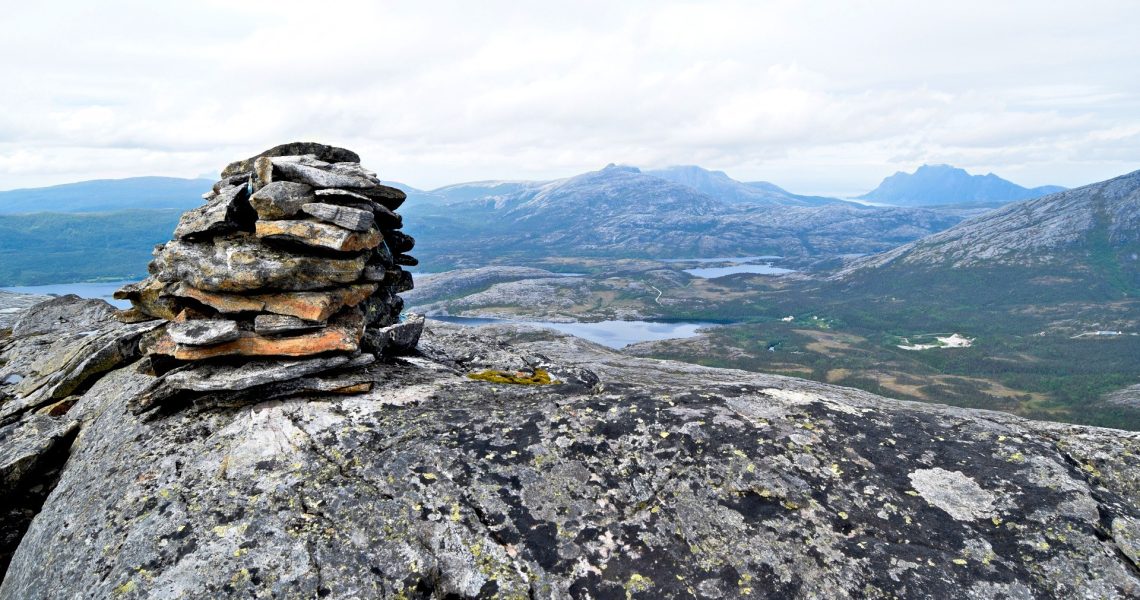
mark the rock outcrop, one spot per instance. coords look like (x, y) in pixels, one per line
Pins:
(631, 478)
(292, 256)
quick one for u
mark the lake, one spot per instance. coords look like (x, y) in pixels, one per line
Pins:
(101, 291)
(714, 272)
(614, 334)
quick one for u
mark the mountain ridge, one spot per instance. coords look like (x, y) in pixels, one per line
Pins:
(1033, 231)
(104, 195)
(942, 184)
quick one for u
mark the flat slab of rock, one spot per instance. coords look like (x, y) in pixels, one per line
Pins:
(216, 377)
(149, 297)
(24, 444)
(309, 170)
(59, 347)
(342, 335)
(389, 197)
(244, 264)
(311, 306)
(224, 213)
(322, 152)
(399, 242)
(385, 218)
(342, 216)
(281, 199)
(13, 305)
(319, 235)
(400, 338)
(282, 324)
(203, 332)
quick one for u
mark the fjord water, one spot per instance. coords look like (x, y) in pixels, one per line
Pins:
(614, 334)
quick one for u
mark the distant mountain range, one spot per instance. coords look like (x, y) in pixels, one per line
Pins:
(934, 185)
(622, 211)
(615, 212)
(103, 195)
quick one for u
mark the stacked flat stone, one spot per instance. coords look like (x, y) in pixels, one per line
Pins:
(297, 252)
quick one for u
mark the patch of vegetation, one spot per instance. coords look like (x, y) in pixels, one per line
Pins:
(537, 377)
(45, 248)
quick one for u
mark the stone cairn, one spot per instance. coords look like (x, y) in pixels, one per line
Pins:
(295, 260)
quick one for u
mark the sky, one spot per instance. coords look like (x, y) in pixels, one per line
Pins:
(818, 97)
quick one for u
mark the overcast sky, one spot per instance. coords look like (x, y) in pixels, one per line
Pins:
(819, 97)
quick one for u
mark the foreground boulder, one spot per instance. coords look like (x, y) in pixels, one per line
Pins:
(631, 478)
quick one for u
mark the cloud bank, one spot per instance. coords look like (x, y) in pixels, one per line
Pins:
(820, 97)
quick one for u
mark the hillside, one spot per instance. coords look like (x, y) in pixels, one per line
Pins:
(1045, 291)
(42, 248)
(1089, 234)
(933, 185)
(104, 195)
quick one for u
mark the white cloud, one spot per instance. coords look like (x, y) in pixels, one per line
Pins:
(820, 97)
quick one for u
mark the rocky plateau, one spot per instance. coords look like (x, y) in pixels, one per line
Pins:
(631, 478)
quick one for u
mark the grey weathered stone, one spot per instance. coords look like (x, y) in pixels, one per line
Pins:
(203, 332)
(389, 197)
(385, 218)
(399, 242)
(225, 212)
(317, 234)
(320, 151)
(343, 216)
(281, 199)
(399, 338)
(31, 453)
(661, 480)
(406, 260)
(218, 377)
(280, 324)
(13, 305)
(309, 170)
(242, 263)
(26, 443)
(61, 346)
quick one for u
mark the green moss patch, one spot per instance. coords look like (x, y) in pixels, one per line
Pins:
(537, 377)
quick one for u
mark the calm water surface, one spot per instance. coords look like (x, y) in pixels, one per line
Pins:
(714, 272)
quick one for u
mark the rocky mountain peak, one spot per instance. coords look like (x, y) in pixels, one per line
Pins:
(944, 184)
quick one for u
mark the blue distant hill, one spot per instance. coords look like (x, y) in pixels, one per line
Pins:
(933, 185)
(103, 195)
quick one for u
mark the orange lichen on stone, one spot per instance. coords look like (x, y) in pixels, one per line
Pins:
(343, 335)
(331, 339)
(311, 306)
(359, 388)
